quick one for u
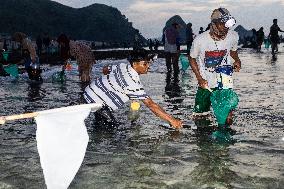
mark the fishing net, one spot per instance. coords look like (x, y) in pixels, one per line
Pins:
(223, 101)
(62, 139)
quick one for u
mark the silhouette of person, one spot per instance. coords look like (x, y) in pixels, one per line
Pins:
(156, 46)
(150, 44)
(273, 36)
(259, 38)
(254, 39)
(201, 30)
(189, 37)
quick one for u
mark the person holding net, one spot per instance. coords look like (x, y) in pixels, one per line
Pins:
(121, 83)
(211, 63)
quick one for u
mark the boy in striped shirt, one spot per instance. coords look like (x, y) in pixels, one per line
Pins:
(121, 83)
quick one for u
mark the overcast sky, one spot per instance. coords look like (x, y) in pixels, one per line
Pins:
(149, 16)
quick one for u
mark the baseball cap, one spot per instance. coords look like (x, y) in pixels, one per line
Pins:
(224, 16)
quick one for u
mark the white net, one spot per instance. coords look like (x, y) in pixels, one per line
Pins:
(62, 140)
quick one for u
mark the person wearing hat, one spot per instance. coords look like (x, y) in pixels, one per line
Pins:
(79, 50)
(121, 83)
(29, 54)
(210, 59)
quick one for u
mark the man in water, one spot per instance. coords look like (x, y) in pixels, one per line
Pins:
(31, 62)
(274, 37)
(214, 68)
(121, 83)
(79, 50)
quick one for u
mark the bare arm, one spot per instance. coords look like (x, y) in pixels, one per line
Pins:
(237, 64)
(158, 111)
(201, 82)
(280, 29)
(31, 50)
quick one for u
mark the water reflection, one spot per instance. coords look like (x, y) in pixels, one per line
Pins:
(274, 58)
(173, 89)
(34, 92)
(213, 170)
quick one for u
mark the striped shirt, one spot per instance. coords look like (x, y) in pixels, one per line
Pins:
(116, 88)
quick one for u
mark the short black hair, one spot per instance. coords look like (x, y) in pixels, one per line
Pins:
(274, 20)
(139, 55)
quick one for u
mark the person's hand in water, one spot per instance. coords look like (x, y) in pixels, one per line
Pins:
(237, 66)
(176, 123)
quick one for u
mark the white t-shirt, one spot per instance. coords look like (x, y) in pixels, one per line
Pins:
(213, 58)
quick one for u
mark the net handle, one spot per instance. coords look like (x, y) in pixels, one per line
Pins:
(3, 119)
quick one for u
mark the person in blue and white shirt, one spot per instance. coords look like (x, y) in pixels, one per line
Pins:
(121, 83)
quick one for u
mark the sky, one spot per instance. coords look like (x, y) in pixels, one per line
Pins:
(150, 16)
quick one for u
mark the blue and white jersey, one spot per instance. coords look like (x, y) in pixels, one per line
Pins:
(116, 88)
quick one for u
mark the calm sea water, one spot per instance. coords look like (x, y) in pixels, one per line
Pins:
(145, 154)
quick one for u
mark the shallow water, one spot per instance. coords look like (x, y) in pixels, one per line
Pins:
(145, 154)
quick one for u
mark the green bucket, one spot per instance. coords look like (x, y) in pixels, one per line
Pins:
(223, 101)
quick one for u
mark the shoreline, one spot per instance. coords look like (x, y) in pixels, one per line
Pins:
(99, 55)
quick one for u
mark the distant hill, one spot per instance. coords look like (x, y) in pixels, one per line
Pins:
(179, 20)
(96, 22)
